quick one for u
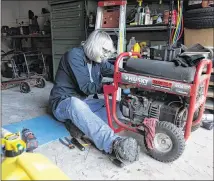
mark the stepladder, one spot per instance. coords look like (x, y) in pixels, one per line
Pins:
(119, 28)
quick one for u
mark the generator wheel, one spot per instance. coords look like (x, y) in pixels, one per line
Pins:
(25, 87)
(169, 143)
(40, 83)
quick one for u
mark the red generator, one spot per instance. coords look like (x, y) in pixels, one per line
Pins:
(173, 95)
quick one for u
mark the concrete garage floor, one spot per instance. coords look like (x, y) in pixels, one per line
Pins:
(195, 164)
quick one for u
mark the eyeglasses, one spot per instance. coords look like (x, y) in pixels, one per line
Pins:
(105, 51)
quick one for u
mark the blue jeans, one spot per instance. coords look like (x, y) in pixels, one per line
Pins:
(90, 117)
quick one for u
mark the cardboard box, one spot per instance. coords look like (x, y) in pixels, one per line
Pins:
(203, 36)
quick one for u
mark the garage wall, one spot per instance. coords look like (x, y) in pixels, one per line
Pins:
(9, 12)
(14, 12)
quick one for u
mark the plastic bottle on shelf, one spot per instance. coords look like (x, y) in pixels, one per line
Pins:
(138, 13)
(131, 44)
(142, 17)
(147, 15)
(136, 48)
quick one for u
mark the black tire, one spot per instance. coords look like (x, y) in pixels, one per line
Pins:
(40, 82)
(199, 23)
(177, 139)
(201, 12)
(25, 87)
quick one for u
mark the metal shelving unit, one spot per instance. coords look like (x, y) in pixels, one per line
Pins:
(155, 27)
(159, 27)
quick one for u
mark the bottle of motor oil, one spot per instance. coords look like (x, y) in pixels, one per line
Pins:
(136, 48)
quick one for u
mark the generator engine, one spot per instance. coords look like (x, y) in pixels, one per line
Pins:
(164, 107)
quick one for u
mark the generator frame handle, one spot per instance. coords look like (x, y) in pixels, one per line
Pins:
(205, 63)
(112, 90)
(193, 104)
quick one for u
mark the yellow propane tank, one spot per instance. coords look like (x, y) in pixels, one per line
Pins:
(19, 165)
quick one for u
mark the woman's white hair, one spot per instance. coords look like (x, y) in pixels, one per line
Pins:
(98, 46)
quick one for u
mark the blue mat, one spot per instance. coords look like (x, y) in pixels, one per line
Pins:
(45, 128)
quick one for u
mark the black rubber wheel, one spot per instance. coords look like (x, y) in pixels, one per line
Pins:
(40, 82)
(201, 12)
(169, 143)
(199, 22)
(25, 87)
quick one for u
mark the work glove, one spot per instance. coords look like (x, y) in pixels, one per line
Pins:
(187, 61)
(180, 62)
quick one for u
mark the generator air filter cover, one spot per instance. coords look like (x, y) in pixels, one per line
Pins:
(111, 18)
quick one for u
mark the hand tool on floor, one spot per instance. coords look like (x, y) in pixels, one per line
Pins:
(86, 141)
(29, 138)
(77, 144)
(69, 144)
